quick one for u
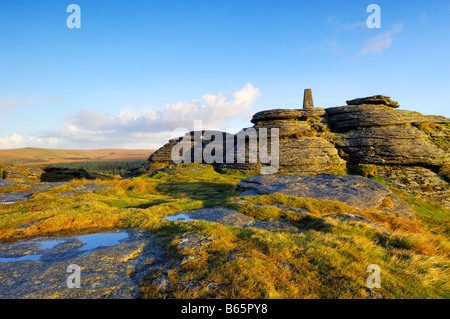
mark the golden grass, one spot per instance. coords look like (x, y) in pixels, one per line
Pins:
(329, 260)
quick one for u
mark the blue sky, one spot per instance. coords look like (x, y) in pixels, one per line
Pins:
(137, 70)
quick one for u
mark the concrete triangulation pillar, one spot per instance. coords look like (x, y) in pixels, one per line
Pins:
(308, 99)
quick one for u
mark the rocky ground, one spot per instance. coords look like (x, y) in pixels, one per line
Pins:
(114, 264)
(13, 197)
(341, 198)
(367, 131)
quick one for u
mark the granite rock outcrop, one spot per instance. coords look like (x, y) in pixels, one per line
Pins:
(343, 140)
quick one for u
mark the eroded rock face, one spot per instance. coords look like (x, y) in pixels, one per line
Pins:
(370, 130)
(356, 191)
(357, 116)
(404, 145)
(376, 99)
(20, 173)
(195, 139)
(419, 181)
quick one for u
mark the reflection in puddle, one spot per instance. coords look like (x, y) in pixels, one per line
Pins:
(21, 258)
(50, 244)
(93, 241)
(90, 243)
(179, 218)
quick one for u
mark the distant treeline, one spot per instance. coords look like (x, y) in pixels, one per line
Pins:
(105, 167)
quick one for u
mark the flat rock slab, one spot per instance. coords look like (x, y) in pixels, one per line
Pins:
(6, 183)
(68, 194)
(286, 114)
(51, 185)
(90, 188)
(376, 99)
(111, 265)
(230, 217)
(14, 197)
(356, 191)
(11, 198)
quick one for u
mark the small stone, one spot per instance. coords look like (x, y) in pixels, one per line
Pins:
(188, 259)
(372, 294)
(162, 282)
(188, 284)
(194, 241)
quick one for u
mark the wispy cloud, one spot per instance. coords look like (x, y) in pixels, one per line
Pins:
(143, 127)
(9, 104)
(381, 42)
(336, 41)
(423, 18)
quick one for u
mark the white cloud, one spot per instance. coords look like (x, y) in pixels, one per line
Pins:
(137, 128)
(16, 140)
(13, 141)
(381, 42)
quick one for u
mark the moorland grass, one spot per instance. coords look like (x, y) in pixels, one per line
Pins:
(327, 260)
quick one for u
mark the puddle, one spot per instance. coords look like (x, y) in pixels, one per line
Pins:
(90, 243)
(50, 244)
(93, 241)
(179, 218)
(21, 258)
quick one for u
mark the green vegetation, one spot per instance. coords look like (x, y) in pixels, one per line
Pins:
(366, 170)
(327, 260)
(104, 167)
(438, 134)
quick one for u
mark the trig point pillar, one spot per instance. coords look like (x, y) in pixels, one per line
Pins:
(308, 99)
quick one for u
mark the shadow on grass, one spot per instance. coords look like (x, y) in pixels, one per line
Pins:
(211, 194)
(313, 222)
(150, 204)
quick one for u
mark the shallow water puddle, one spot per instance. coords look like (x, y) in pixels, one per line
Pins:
(90, 243)
(22, 258)
(50, 244)
(93, 241)
(179, 218)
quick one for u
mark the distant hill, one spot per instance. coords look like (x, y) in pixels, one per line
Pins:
(31, 155)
